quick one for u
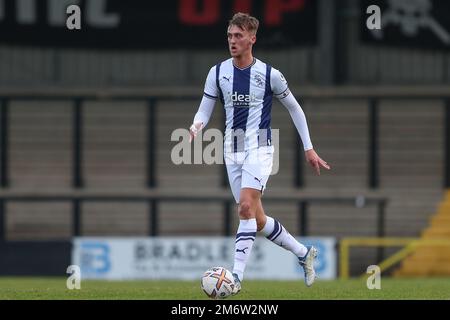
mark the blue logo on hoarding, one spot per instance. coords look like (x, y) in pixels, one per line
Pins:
(95, 257)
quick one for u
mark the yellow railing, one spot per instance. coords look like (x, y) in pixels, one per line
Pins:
(409, 244)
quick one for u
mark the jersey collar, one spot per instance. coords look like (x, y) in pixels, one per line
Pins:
(249, 66)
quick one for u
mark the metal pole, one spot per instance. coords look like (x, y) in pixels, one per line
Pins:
(76, 218)
(380, 227)
(151, 145)
(227, 218)
(339, 43)
(153, 212)
(303, 218)
(2, 221)
(328, 50)
(373, 144)
(4, 148)
(77, 143)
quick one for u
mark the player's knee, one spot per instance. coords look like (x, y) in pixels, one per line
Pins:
(245, 210)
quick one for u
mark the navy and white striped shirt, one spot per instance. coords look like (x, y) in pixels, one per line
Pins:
(247, 98)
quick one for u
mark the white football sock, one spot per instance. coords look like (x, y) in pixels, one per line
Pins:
(275, 232)
(243, 246)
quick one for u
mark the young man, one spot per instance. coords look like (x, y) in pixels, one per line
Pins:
(245, 86)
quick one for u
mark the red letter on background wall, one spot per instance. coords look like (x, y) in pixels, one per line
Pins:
(209, 14)
(244, 6)
(276, 8)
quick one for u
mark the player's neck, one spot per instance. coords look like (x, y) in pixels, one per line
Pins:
(243, 62)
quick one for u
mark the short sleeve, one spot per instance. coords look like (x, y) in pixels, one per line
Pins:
(210, 90)
(279, 84)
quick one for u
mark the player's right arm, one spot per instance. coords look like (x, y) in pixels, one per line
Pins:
(210, 95)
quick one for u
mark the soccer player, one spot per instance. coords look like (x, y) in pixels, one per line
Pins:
(245, 86)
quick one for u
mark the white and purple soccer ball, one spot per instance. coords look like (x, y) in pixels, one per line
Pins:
(217, 283)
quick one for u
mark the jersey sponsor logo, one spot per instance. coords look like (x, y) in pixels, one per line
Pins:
(242, 100)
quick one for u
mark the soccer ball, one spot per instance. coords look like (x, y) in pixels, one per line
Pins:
(217, 283)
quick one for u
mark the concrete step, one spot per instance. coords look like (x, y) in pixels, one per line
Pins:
(436, 233)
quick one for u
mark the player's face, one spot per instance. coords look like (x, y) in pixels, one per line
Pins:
(240, 41)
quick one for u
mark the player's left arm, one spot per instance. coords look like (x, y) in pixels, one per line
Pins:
(281, 91)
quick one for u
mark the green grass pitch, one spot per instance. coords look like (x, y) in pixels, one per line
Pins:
(12, 288)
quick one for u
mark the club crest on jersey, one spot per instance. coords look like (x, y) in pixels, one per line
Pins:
(242, 100)
(259, 81)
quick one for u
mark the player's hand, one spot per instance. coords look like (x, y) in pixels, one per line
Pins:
(194, 130)
(315, 161)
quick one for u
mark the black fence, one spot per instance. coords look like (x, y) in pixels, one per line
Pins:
(154, 200)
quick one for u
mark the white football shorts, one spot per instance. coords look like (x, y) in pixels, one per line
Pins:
(249, 169)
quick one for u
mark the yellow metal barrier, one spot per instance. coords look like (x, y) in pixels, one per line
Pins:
(410, 244)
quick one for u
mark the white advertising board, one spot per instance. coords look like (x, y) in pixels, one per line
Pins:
(188, 257)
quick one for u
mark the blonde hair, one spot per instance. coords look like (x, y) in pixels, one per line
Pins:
(245, 22)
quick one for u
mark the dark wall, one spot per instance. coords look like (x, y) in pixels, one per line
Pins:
(19, 258)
